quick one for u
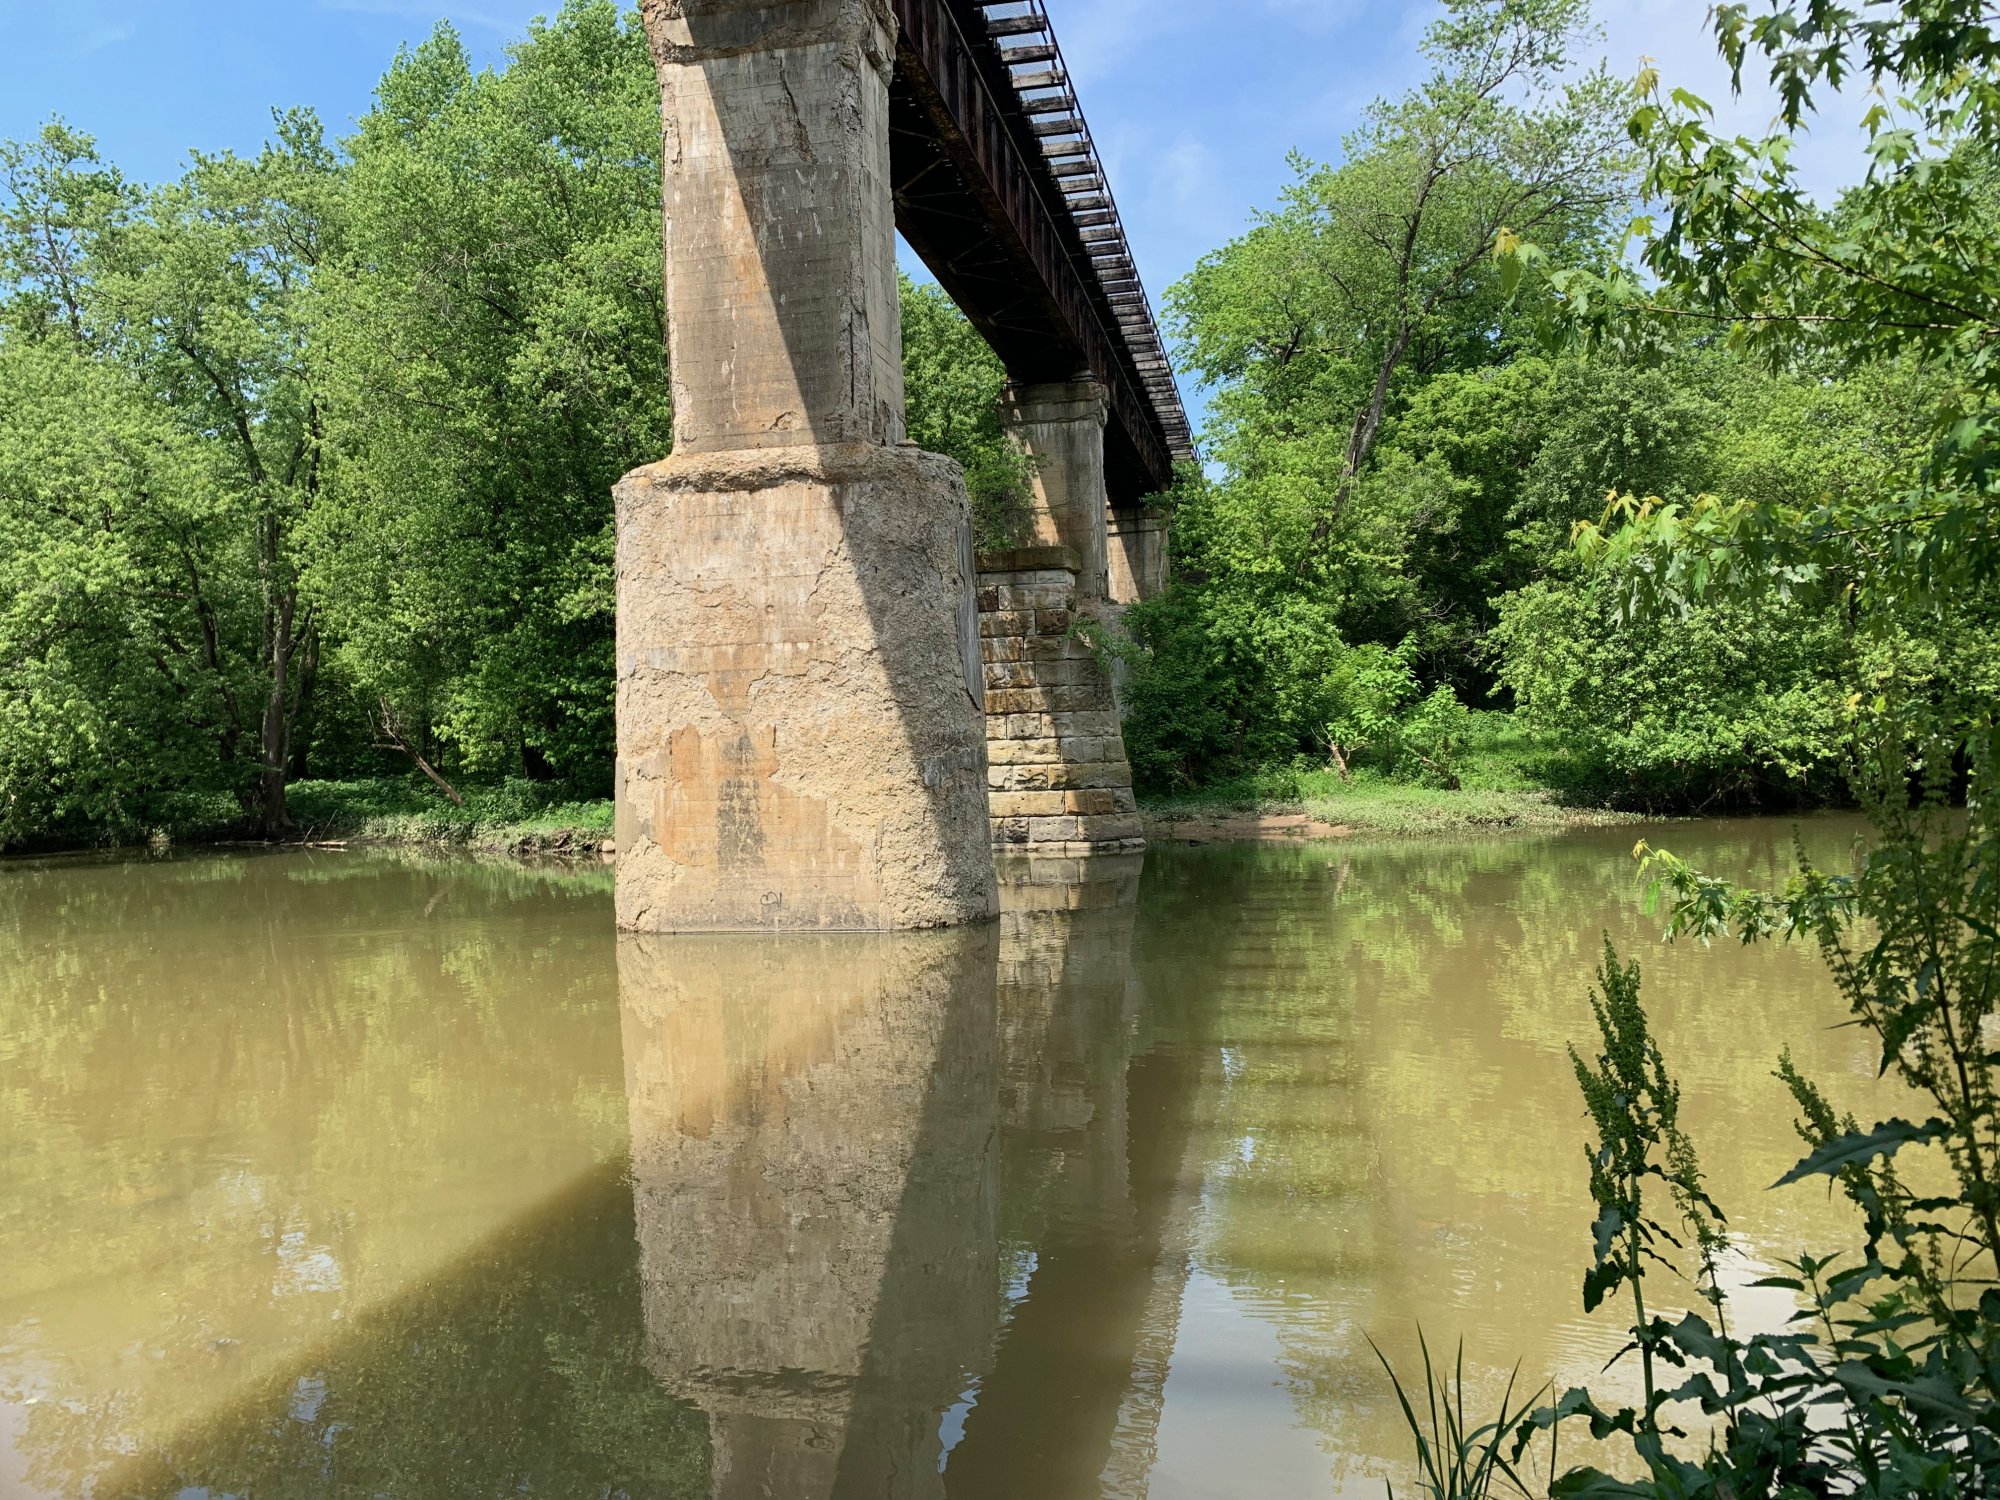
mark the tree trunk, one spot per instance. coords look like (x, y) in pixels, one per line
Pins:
(307, 676)
(392, 737)
(276, 738)
(1361, 442)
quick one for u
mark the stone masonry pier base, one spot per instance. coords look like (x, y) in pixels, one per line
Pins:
(1056, 770)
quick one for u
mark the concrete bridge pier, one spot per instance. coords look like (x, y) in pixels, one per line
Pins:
(1059, 425)
(800, 739)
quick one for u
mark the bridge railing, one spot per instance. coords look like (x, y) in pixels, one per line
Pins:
(1032, 60)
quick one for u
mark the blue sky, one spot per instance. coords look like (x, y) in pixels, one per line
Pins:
(1194, 104)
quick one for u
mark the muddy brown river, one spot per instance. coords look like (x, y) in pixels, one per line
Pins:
(340, 1174)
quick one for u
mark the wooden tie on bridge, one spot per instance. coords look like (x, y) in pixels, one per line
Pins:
(802, 683)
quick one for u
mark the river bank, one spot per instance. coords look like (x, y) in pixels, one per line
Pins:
(527, 820)
(1388, 809)
(512, 818)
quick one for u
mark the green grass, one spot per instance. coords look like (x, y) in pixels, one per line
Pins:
(1507, 779)
(515, 814)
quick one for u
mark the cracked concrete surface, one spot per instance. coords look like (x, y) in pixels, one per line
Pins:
(798, 745)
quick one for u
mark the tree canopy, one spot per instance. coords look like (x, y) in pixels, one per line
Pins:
(306, 458)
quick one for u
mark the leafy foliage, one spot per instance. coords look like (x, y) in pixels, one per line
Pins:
(1884, 1382)
(1318, 330)
(500, 329)
(197, 295)
(953, 384)
(1377, 270)
(109, 696)
(306, 459)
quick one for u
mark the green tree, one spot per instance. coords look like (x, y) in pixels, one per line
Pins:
(1729, 700)
(1376, 274)
(1885, 1384)
(198, 293)
(499, 329)
(1317, 330)
(111, 696)
(953, 384)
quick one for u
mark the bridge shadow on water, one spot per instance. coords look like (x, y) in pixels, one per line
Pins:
(903, 1216)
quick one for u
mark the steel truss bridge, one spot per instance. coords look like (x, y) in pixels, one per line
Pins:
(1000, 189)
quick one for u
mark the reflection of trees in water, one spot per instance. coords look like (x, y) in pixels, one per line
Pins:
(1391, 1130)
(246, 1097)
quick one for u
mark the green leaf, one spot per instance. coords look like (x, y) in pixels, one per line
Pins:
(1858, 1148)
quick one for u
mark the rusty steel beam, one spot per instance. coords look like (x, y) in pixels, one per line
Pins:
(1022, 275)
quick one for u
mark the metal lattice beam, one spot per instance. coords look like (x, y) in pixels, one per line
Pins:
(999, 187)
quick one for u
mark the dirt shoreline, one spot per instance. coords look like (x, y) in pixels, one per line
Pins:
(1244, 828)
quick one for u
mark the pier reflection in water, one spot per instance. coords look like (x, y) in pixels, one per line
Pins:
(815, 1177)
(360, 1177)
(820, 1133)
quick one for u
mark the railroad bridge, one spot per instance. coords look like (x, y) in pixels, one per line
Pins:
(830, 712)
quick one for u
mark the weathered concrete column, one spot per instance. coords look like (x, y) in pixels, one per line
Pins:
(1137, 540)
(1060, 426)
(799, 733)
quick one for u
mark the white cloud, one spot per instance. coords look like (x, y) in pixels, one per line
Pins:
(427, 11)
(103, 34)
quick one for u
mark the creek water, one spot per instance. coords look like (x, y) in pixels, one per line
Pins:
(361, 1175)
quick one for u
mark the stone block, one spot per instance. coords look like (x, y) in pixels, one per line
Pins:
(1106, 773)
(1026, 778)
(1027, 727)
(1003, 648)
(1026, 804)
(1006, 622)
(1077, 697)
(1023, 752)
(1097, 800)
(1052, 830)
(1098, 724)
(1043, 558)
(1077, 751)
(1017, 701)
(1072, 671)
(1103, 830)
(1027, 593)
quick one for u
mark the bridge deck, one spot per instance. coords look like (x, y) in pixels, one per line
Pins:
(999, 188)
